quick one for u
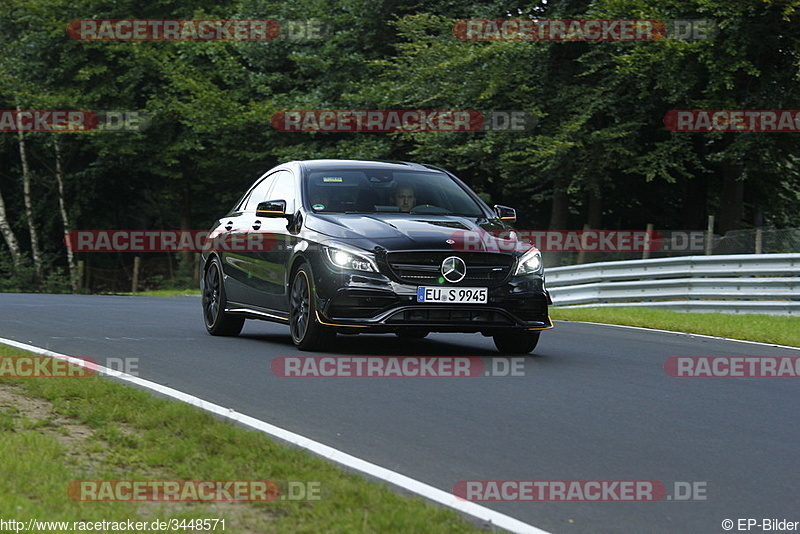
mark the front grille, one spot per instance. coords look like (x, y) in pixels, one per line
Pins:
(484, 268)
(450, 316)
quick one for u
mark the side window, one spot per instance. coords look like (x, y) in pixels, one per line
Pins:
(259, 194)
(284, 190)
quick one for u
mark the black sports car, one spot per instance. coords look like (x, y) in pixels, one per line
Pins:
(329, 246)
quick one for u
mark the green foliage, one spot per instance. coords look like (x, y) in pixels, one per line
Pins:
(599, 153)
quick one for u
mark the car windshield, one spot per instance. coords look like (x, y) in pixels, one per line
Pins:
(382, 190)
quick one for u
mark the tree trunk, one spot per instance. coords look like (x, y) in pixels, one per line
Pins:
(26, 189)
(594, 211)
(8, 235)
(62, 206)
(695, 198)
(694, 215)
(560, 207)
(731, 202)
(186, 257)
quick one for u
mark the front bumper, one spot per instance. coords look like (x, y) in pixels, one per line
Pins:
(375, 303)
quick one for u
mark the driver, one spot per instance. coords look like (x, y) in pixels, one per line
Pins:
(405, 197)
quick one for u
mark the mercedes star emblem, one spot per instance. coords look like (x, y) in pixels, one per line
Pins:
(454, 269)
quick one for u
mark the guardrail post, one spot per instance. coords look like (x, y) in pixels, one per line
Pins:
(759, 239)
(582, 251)
(709, 234)
(646, 251)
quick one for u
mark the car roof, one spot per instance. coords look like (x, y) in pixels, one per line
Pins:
(312, 164)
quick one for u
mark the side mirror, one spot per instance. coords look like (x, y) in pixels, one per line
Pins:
(272, 209)
(505, 213)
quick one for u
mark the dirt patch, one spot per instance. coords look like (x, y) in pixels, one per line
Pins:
(40, 414)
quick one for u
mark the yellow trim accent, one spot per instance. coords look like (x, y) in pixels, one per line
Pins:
(503, 218)
(545, 327)
(334, 324)
(268, 211)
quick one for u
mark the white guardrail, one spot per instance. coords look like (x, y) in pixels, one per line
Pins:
(741, 283)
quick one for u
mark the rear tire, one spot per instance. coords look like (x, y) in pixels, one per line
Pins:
(307, 332)
(218, 323)
(516, 342)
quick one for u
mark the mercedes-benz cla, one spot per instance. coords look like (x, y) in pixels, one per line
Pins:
(327, 246)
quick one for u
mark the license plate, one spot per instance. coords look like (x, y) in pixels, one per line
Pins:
(453, 295)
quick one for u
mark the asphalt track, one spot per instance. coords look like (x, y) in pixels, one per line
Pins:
(594, 404)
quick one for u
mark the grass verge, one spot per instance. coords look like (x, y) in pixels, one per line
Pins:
(54, 431)
(764, 328)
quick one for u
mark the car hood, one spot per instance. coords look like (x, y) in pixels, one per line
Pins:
(418, 232)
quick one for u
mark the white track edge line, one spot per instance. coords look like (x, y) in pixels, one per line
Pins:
(415, 486)
(682, 333)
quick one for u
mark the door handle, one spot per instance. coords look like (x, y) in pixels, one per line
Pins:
(229, 226)
(256, 225)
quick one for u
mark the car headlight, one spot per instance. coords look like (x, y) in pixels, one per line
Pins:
(529, 263)
(349, 259)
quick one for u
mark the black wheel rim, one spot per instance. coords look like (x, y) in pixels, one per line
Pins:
(211, 295)
(300, 307)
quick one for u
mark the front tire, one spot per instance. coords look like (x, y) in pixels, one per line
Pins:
(218, 323)
(307, 332)
(516, 342)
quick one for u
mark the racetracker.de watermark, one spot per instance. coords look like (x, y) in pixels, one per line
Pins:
(196, 30)
(402, 120)
(35, 366)
(738, 121)
(556, 240)
(733, 366)
(167, 241)
(578, 491)
(46, 367)
(395, 367)
(73, 121)
(583, 29)
(194, 490)
(460, 240)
